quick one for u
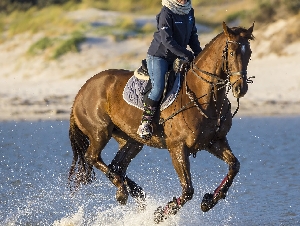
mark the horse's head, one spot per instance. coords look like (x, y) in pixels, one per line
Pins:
(236, 55)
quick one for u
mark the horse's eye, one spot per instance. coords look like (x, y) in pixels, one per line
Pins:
(231, 53)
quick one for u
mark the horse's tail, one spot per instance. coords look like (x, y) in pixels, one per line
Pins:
(81, 172)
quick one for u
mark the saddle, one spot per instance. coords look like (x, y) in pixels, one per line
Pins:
(139, 85)
(179, 67)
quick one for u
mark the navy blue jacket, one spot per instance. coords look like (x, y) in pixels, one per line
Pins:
(174, 33)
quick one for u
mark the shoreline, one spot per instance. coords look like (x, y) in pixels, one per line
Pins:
(62, 112)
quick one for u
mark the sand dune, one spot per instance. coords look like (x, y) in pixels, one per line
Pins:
(35, 88)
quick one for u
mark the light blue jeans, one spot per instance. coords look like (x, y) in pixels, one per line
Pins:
(157, 68)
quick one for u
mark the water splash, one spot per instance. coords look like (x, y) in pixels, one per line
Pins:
(75, 219)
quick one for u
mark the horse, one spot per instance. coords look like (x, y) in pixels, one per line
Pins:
(199, 119)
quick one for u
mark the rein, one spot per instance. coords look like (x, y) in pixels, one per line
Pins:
(193, 101)
(220, 81)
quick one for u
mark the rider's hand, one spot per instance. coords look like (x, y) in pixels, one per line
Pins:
(190, 56)
(180, 65)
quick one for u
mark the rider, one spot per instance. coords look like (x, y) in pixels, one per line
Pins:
(175, 30)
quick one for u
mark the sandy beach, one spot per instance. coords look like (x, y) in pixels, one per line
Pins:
(38, 89)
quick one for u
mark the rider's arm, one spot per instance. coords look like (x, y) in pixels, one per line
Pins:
(165, 25)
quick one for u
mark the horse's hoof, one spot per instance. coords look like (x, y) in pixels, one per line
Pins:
(122, 195)
(159, 215)
(136, 192)
(207, 202)
(170, 209)
(141, 201)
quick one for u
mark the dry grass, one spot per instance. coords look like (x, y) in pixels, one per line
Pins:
(141, 6)
(51, 20)
(57, 27)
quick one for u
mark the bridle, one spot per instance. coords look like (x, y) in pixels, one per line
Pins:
(225, 67)
(242, 74)
(222, 83)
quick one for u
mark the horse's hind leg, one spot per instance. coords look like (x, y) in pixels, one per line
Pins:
(221, 149)
(128, 150)
(98, 138)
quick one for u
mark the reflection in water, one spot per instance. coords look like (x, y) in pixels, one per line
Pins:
(35, 158)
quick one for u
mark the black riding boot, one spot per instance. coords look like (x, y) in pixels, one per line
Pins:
(145, 130)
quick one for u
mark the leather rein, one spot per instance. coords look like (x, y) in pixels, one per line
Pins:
(219, 81)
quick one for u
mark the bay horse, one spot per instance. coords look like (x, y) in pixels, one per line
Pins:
(198, 119)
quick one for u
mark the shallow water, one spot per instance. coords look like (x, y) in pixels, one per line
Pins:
(35, 157)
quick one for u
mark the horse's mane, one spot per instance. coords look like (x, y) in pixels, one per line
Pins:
(237, 31)
(206, 47)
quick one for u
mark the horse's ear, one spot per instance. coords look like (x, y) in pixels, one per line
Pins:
(250, 30)
(227, 30)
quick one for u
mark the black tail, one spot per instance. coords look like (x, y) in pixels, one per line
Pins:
(80, 172)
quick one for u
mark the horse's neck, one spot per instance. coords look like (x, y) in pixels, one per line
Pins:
(210, 60)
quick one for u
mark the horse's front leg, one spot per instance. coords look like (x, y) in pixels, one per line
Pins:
(221, 149)
(181, 163)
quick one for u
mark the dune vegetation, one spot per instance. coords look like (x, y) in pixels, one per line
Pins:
(62, 34)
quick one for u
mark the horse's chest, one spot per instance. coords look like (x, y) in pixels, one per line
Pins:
(206, 133)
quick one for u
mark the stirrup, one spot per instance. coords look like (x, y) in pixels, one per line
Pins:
(145, 131)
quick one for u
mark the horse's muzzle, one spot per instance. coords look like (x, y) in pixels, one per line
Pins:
(240, 86)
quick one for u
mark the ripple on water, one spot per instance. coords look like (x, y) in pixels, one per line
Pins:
(35, 157)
